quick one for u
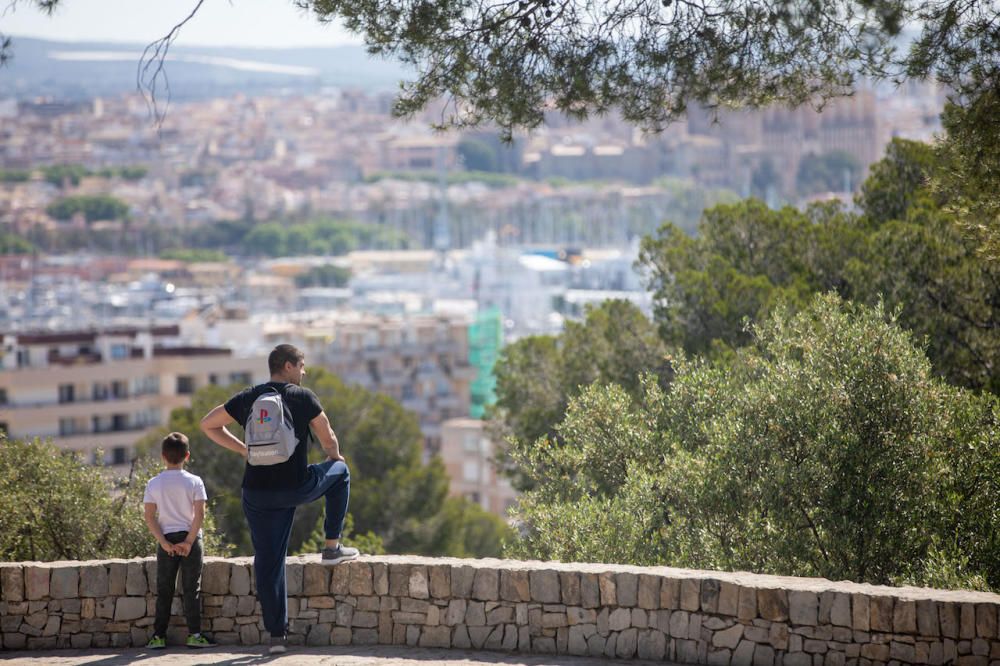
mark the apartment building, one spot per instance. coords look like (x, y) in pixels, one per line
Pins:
(90, 390)
(468, 454)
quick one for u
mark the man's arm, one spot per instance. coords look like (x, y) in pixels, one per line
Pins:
(214, 426)
(199, 518)
(154, 528)
(326, 436)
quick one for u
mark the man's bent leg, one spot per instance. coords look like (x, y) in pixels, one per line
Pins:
(270, 530)
(332, 480)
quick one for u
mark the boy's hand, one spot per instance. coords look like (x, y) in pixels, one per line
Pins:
(183, 548)
(168, 547)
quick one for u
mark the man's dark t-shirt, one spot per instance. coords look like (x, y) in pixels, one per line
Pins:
(303, 406)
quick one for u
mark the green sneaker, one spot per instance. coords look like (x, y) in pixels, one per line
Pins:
(156, 643)
(199, 641)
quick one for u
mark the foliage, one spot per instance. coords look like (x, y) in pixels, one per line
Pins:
(14, 175)
(62, 174)
(493, 180)
(327, 275)
(397, 503)
(825, 448)
(14, 244)
(538, 375)
(318, 237)
(194, 255)
(54, 506)
(477, 155)
(93, 207)
(131, 173)
(835, 171)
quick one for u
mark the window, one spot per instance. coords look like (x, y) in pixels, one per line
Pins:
(119, 422)
(119, 352)
(23, 358)
(119, 455)
(185, 384)
(3, 396)
(213, 379)
(4, 428)
(470, 443)
(100, 392)
(119, 389)
(67, 426)
(66, 393)
(241, 378)
(470, 471)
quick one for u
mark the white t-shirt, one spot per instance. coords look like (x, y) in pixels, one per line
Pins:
(174, 492)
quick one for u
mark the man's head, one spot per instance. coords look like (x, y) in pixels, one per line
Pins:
(175, 448)
(287, 364)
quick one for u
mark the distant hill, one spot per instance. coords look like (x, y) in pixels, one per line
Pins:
(79, 70)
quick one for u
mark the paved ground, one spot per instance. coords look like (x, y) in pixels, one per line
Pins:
(327, 656)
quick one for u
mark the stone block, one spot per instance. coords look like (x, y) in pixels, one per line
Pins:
(967, 621)
(627, 589)
(948, 614)
(341, 636)
(94, 581)
(250, 634)
(239, 580)
(399, 581)
(576, 615)
(129, 608)
(904, 617)
(748, 605)
(486, 585)
(462, 578)
(881, 613)
(651, 645)
(440, 581)
(679, 622)
(135, 579)
(729, 599)
(12, 583)
(316, 579)
(627, 643)
(360, 579)
(215, 577)
(803, 608)
(365, 619)
(777, 636)
(569, 587)
(340, 580)
(670, 594)
(556, 620)
(840, 610)
(514, 585)
(595, 645)
(545, 586)
(763, 655)
(772, 605)
(710, 596)
(478, 636)
(690, 594)
(590, 590)
(986, 621)
(364, 636)
(728, 638)
(875, 651)
(117, 572)
(475, 614)
(606, 582)
(502, 615)
(456, 612)
(64, 582)
(813, 646)
(51, 627)
(797, 659)
(927, 618)
(419, 588)
(716, 657)
(435, 637)
(380, 579)
(619, 619)
(861, 612)
(385, 627)
(687, 651)
(743, 654)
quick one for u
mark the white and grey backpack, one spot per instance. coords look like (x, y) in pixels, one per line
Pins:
(270, 435)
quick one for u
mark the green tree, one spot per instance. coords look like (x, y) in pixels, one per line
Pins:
(825, 448)
(477, 155)
(537, 376)
(54, 506)
(14, 244)
(93, 207)
(194, 255)
(327, 275)
(835, 171)
(61, 175)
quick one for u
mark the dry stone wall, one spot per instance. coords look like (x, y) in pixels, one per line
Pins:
(695, 617)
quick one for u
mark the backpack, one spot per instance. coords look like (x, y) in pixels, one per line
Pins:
(270, 435)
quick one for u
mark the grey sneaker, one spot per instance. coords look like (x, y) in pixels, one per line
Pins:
(279, 645)
(339, 554)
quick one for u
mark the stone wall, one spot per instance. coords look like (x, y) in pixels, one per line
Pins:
(543, 607)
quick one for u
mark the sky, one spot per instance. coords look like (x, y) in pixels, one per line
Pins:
(246, 23)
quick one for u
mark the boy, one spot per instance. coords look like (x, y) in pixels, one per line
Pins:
(175, 509)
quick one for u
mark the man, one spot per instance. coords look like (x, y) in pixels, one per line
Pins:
(271, 492)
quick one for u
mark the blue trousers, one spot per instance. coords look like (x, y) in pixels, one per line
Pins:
(269, 515)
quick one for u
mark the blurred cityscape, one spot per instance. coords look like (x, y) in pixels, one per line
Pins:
(140, 263)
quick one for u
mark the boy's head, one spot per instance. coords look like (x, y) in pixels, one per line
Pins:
(175, 448)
